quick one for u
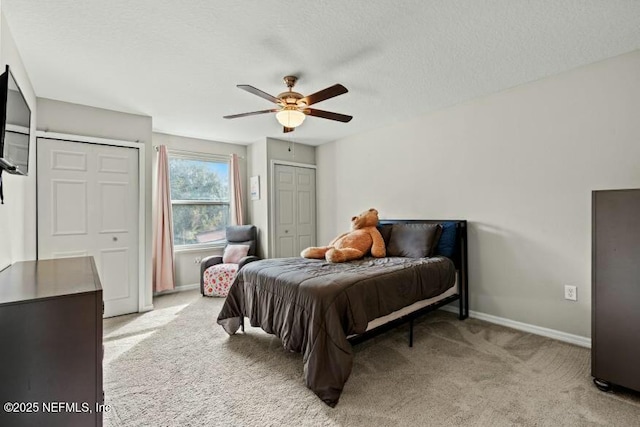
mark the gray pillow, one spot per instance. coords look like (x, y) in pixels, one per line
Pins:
(385, 232)
(413, 240)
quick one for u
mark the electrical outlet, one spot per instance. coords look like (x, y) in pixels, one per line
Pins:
(570, 293)
(197, 260)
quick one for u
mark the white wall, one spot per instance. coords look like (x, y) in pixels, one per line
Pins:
(187, 262)
(520, 165)
(278, 149)
(83, 120)
(258, 210)
(18, 214)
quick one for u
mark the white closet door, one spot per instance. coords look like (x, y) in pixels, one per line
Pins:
(305, 208)
(294, 210)
(88, 206)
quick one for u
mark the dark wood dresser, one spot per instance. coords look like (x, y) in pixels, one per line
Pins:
(51, 343)
(615, 348)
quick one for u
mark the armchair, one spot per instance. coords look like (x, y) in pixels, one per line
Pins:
(216, 275)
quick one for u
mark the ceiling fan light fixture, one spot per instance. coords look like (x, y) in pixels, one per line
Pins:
(293, 106)
(290, 117)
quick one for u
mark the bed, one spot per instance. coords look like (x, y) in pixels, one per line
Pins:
(321, 309)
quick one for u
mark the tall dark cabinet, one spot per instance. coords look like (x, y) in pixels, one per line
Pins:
(51, 343)
(615, 352)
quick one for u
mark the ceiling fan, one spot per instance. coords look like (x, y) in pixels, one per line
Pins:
(293, 107)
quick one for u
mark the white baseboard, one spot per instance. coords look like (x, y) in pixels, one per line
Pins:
(526, 327)
(182, 288)
(187, 287)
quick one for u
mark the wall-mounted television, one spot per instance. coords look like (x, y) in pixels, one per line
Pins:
(15, 125)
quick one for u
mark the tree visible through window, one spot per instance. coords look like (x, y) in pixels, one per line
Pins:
(200, 199)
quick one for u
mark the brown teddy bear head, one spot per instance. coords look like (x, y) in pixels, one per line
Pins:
(365, 219)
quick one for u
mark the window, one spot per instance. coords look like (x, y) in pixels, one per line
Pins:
(200, 199)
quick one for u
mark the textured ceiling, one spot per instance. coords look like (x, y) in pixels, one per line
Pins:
(179, 61)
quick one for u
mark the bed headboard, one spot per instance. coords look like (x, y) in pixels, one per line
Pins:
(460, 253)
(459, 258)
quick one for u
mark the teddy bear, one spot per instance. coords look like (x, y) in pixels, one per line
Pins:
(355, 244)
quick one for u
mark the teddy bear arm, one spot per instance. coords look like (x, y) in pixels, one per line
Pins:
(378, 249)
(333, 242)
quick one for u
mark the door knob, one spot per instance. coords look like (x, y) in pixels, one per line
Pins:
(286, 231)
(114, 238)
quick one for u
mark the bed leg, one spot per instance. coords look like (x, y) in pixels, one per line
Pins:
(242, 323)
(411, 333)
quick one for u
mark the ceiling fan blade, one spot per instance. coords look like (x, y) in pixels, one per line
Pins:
(328, 115)
(260, 93)
(324, 94)
(287, 130)
(253, 113)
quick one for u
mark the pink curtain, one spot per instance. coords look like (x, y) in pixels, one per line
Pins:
(238, 218)
(163, 267)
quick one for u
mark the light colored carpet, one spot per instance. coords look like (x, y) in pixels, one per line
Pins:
(176, 367)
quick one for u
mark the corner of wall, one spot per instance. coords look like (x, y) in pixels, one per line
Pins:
(258, 209)
(18, 214)
(83, 120)
(187, 262)
(520, 165)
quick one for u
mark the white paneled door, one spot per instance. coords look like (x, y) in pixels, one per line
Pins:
(88, 206)
(294, 210)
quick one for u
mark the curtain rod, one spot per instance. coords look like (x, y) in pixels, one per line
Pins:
(197, 153)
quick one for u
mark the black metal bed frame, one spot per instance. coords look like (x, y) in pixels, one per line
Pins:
(460, 259)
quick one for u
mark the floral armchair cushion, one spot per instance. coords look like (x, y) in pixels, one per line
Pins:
(218, 279)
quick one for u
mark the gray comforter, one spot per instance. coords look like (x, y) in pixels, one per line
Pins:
(313, 305)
